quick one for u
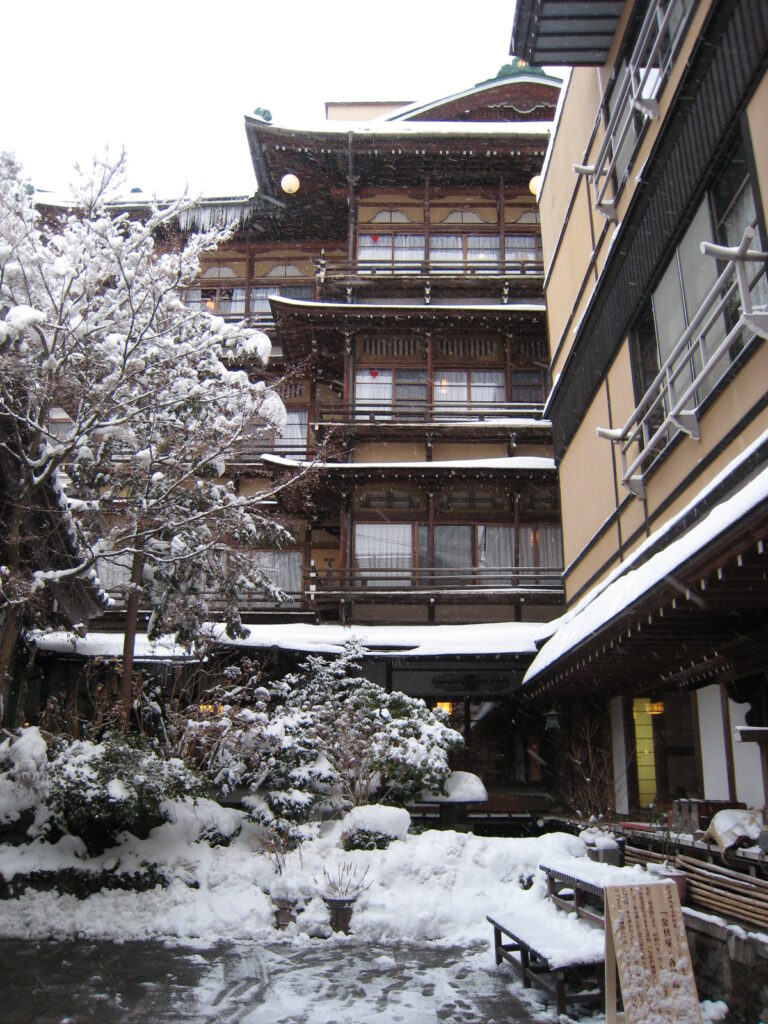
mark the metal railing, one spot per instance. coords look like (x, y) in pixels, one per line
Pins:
(419, 411)
(670, 404)
(373, 580)
(427, 268)
(646, 70)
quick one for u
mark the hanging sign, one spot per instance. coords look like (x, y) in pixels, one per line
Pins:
(645, 938)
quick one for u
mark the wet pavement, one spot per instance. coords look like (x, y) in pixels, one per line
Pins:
(311, 982)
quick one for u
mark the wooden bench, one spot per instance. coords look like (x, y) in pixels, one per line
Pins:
(579, 895)
(580, 980)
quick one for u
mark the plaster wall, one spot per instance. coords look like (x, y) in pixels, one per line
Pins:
(712, 743)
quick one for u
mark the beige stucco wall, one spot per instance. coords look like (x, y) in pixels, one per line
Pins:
(757, 115)
(389, 451)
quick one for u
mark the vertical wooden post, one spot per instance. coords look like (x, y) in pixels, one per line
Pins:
(352, 212)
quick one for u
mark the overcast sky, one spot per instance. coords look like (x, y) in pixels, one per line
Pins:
(170, 80)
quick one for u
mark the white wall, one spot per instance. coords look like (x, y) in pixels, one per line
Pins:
(712, 743)
(746, 762)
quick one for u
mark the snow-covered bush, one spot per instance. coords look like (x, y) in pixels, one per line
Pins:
(315, 743)
(98, 790)
(23, 773)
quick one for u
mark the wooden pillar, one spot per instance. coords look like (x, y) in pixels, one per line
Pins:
(349, 371)
(248, 276)
(430, 383)
(502, 223)
(508, 367)
(352, 213)
(426, 220)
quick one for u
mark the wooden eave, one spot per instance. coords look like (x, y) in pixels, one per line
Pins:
(323, 486)
(394, 158)
(705, 624)
(319, 329)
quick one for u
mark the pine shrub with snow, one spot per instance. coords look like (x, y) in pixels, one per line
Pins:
(315, 743)
(98, 790)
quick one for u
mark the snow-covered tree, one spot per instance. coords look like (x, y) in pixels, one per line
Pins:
(311, 744)
(106, 375)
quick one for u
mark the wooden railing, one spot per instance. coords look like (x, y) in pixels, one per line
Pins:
(427, 268)
(372, 580)
(419, 411)
(670, 404)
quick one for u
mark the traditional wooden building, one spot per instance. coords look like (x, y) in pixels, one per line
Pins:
(654, 232)
(393, 255)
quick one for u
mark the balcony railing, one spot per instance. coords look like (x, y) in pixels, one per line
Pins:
(427, 268)
(670, 404)
(372, 581)
(417, 411)
(646, 70)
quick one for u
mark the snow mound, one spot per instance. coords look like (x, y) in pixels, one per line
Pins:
(388, 821)
(461, 787)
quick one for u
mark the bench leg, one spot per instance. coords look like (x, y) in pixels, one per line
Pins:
(524, 966)
(497, 945)
(560, 992)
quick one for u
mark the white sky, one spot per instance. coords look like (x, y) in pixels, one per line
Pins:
(171, 80)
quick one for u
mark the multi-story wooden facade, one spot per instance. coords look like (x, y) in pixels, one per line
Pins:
(654, 232)
(396, 265)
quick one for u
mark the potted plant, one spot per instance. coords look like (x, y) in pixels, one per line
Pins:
(341, 891)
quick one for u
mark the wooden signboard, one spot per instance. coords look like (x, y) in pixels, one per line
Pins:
(645, 938)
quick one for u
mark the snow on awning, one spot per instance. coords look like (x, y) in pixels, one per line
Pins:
(627, 586)
(487, 638)
(109, 645)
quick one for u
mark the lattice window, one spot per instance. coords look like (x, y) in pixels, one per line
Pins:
(375, 347)
(467, 348)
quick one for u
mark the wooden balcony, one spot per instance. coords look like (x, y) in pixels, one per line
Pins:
(417, 585)
(414, 412)
(425, 269)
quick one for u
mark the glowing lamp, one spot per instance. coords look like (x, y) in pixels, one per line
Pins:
(534, 185)
(289, 184)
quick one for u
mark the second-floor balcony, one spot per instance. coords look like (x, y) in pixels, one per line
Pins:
(419, 412)
(410, 584)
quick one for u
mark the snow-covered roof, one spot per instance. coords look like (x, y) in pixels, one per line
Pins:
(519, 462)
(626, 585)
(408, 307)
(109, 645)
(384, 129)
(415, 641)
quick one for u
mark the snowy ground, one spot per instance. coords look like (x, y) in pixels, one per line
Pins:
(419, 948)
(295, 982)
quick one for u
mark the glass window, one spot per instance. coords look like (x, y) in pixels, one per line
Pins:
(408, 248)
(522, 247)
(293, 440)
(541, 545)
(486, 388)
(374, 248)
(495, 547)
(446, 248)
(282, 567)
(526, 387)
(483, 248)
(383, 546)
(373, 393)
(450, 392)
(410, 393)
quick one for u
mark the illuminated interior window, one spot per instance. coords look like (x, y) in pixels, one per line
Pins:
(646, 757)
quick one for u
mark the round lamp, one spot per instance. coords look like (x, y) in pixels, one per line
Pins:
(289, 184)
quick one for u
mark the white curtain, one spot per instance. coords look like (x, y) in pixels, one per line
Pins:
(521, 247)
(483, 249)
(409, 248)
(450, 392)
(293, 440)
(486, 386)
(541, 544)
(495, 547)
(260, 299)
(373, 392)
(193, 299)
(446, 248)
(384, 546)
(375, 248)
